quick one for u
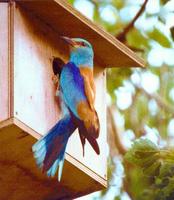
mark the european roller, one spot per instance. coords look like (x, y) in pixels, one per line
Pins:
(76, 90)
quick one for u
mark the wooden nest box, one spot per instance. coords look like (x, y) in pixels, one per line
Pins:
(30, 33)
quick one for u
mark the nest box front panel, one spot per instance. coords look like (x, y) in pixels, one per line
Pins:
(35, 44)
(34, 95)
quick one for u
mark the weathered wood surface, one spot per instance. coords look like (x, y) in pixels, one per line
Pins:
(4, 62)
(65, 20)
(34, 95)
(20, 178)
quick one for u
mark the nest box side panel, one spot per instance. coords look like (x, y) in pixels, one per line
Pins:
(4, 61)
(35, 103)
(97, 163)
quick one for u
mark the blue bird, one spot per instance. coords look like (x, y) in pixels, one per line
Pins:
(77, 95)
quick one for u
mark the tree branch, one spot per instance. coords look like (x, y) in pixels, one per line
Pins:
(122, 35)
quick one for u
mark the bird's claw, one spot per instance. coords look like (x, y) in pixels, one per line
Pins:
(55, 79)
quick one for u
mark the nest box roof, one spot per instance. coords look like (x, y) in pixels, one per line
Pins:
(65, 20)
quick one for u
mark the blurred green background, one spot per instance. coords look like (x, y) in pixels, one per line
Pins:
(140, 101)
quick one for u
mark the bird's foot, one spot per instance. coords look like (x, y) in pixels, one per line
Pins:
(55, 79)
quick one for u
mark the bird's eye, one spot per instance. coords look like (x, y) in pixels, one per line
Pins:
(83, 44)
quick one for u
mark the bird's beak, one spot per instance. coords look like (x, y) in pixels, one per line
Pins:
(69, 40)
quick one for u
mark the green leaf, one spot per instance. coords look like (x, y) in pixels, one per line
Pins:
(160, 37)
(152, 160)
(145, 154)
(117, 198)
(167, 170)
(136, 39)
(153, 170)
(164, 1)
(118, 3)
(71, 1)
(144, 145)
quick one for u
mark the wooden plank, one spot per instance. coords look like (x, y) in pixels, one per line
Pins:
(65, 20)
(21, 179)
(11, 58)
(74, 152)
(34, 95)
(27, 131)
(4, 82)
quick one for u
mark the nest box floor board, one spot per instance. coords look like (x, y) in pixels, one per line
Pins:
(21, 179)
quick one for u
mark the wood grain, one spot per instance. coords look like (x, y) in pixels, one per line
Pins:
(32, 109)
(27, 131)
(21, 179)
(35, 103)
(65, 20)
(4, 64)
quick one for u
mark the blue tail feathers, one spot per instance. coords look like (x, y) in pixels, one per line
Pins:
(49, 151)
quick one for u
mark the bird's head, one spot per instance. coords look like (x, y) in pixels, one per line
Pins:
(77, 43)
(81, 51)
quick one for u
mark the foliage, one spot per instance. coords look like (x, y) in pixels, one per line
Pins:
(136, 39)
(146, 155)
(158, 169)
(158, 36)
(149, 112)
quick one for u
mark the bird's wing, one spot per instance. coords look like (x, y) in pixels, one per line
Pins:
(73, 88)
(89, 86)
(84, 134)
